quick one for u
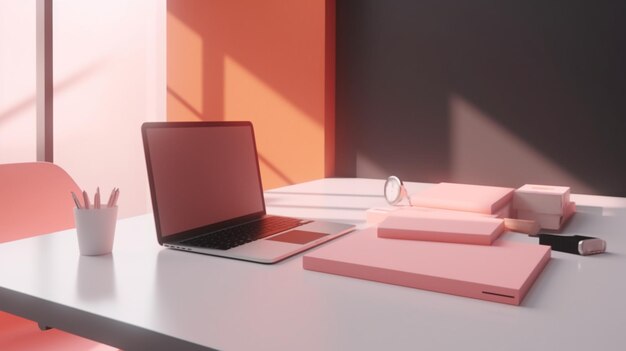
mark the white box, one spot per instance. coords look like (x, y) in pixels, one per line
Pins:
(543, 199)
(546, 220)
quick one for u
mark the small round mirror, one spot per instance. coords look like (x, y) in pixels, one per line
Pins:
(394, 190)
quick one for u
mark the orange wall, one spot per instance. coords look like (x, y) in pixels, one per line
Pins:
(266, 61)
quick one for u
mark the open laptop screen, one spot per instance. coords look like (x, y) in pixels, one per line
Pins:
(201, 173)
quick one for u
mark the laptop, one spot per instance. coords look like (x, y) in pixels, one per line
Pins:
(207, 195)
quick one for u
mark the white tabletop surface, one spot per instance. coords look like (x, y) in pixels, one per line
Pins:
(143, 292)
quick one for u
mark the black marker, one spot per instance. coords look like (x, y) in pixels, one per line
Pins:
(574, 244)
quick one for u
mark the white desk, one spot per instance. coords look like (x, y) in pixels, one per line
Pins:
(149, 298)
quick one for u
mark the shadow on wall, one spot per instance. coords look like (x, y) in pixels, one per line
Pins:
(257, 61)
(65, 83)
(502, 93)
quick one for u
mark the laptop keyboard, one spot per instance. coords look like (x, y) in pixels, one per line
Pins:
(234, 236)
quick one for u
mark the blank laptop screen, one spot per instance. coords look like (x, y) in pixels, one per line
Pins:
(203, 175)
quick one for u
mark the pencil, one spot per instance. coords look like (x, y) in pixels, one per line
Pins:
(76, 201)
(86, 198)
(110, 202)
(96, 199)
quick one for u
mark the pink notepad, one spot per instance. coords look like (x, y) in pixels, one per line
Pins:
(464, 197)
(444, 227)
(376, 215)
(502, 272)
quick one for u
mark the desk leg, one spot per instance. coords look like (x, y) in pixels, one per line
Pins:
(43, 327)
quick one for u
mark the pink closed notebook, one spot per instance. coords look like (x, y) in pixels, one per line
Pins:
(444, 227)
(376, 215)
(502, 272)
(464, 197)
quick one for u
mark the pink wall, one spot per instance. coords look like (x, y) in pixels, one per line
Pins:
(109, 75)
(17, 81)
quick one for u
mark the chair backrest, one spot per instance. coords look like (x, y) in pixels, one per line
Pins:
(34, 199)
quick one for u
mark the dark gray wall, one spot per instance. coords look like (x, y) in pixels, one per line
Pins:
(484, 92)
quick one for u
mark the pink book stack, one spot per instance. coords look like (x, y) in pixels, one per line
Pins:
(446, 242)
(502, 272)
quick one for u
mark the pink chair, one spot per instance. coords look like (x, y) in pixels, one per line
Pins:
(35, 199)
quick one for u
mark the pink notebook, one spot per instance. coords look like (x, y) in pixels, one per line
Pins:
(444, 227)
(502, 272)
(464, 197)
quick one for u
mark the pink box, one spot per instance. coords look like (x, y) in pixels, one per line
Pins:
(502, 272)
(544, 199)
(464, 197)
(444, 227)
(549, 221)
